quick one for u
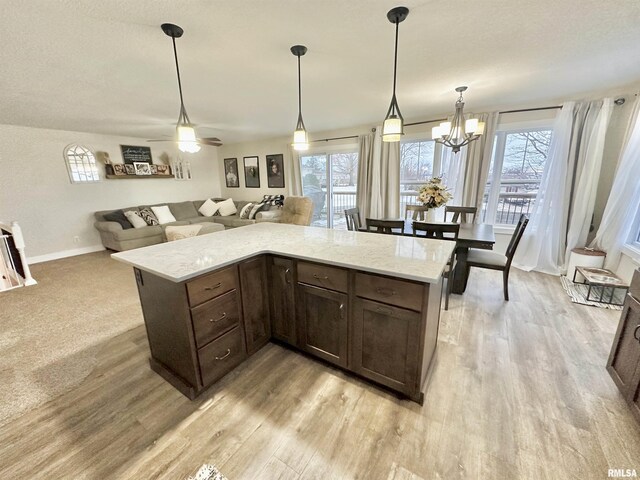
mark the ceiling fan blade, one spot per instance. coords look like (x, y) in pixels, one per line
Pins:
(209, 141)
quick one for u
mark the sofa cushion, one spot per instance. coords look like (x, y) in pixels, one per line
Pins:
(135, 219)
(227, 207)
(118, 216)
(163, 214)
(183, 210)
(232, 221)
(200, 219)
(134, 233)
(209, 208)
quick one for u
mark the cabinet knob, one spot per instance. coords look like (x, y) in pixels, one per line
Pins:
(636, 333)
(217, 285)
(224, 315)
(319, 277)
(225, 355)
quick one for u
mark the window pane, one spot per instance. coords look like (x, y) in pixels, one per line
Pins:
(344, 180)
(313, 169)
(416, 168)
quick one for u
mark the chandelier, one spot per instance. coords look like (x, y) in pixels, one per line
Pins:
(457, 133)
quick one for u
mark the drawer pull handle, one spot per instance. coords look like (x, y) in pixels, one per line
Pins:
(635, 333)
(318, 277)
(386, 311)
(341, 311)
(286, 275)
(217, 285)
(386, 291)
(224, 315)
(225, 355)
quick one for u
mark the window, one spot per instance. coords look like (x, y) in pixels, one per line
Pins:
(519, 157)
(81, 164)
(417, 165)
(330, 180)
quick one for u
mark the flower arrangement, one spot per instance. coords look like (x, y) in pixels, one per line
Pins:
(434, 193)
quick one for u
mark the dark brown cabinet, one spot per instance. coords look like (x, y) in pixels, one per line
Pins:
(624, 361)
(386, 345)
(282, 299)
(322, 321)
(255, 303)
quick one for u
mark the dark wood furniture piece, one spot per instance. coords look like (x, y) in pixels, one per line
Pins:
(441, 231)
(460, 214)
(496, 261)
(381, 328)
(624, 360)
(385, 226)
(352, 216)
(417, 212)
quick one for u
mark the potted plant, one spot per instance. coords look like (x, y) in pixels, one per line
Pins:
(432, 195)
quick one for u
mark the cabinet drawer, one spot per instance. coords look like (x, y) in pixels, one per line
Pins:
(387, 290)
(323, 276)
(220, 356)
(212, 285)
(213, 318)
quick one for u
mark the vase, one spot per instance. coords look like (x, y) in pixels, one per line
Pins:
(430, 215)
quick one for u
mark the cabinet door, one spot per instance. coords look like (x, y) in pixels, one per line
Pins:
(283, 313)
(625, 354)
(322, 316)
(255, 303)
(386, 345)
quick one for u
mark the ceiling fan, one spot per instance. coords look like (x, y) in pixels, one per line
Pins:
(210, 141)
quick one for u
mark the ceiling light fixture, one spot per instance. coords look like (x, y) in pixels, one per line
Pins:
(393, 127)
(457, 133)
(186, 134)
(300, 137)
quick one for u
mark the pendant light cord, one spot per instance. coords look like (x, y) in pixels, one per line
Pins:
(395, 60)
(175, 55)
(299, 90)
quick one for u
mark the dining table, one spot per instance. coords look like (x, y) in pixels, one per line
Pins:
(471, 235)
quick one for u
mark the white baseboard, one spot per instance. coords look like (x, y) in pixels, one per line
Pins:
(63, 254)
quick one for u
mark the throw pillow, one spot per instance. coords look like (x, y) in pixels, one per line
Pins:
(256, 208)
(227, 207)
(163, 214)
(246, 210)
(148, 216)
(136, 220)
(178, 232)
(209, 208)
(118, 216)
(273, 200)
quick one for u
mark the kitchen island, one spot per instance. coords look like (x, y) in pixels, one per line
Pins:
(367, 303)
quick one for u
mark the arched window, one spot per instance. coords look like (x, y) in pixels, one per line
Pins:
(81, 163)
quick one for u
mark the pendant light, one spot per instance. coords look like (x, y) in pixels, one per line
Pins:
(186, 134)
(457, 133)
(300, 138)
(393, 127)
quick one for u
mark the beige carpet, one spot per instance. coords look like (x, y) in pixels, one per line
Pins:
(51, 332)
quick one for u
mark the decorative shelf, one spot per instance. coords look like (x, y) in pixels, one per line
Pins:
(128, 177)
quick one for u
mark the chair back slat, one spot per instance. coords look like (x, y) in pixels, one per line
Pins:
(516, 237)
(385, 226)
(417, 212)
(437, 230)
(352, 216)
(460, 214)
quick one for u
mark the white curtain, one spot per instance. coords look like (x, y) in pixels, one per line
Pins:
(624, 198)
(293, 173)
(365, 174)
(544, 243)
(588, 168)
(385, 181)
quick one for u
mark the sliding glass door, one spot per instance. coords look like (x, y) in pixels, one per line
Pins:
(330, 180)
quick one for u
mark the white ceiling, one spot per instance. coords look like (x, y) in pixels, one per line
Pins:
(107, 67)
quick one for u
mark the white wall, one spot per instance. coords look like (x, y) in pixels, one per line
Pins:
(35, 189)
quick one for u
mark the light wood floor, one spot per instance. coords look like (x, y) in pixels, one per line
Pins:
(519, 392)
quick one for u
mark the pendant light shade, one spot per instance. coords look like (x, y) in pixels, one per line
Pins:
(300, 137)
(393, 127)
(458, 132)
(185, 133)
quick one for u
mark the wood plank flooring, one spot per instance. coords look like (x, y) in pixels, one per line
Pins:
(520, 391)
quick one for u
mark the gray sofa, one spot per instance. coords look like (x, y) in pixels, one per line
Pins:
(114, 237)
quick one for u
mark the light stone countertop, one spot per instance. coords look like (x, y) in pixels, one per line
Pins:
(397, 256)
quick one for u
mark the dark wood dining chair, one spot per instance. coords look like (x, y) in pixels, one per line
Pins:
(460, 214)
(496, 261)
(385, 226)
(352, 216)
(439, 230)
(417, 212)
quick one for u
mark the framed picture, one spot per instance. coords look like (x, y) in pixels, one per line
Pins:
(275, 171)
(154, 169)
(132, 154)
(163, 169)
(119, 169)
(231, 172)
(129, 169)
(142, 168)
(251, 172)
